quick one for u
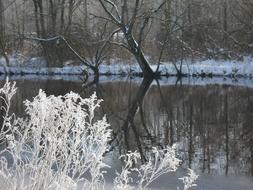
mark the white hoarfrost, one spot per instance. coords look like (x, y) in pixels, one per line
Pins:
(189, 181)
(60, 145)
(55, 145)
(147, 172)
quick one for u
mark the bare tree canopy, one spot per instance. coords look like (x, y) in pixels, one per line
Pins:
(147, 32)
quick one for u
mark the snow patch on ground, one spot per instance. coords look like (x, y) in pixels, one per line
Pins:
(212, 67)
(244, 68)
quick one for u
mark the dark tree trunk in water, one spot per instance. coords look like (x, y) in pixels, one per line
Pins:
(139, 55)
(96, 73)
(142, 61)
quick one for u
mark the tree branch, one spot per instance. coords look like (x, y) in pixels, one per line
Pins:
(56, 38)
(115, 20)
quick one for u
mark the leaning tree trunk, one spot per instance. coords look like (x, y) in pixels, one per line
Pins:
(139, 55)
(125, 24)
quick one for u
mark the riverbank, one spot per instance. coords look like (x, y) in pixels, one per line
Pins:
(163, 81)
(197, 68)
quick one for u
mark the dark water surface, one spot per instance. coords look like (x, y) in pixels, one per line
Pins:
(212, 124)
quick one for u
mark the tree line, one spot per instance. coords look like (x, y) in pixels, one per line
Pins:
(95, 31)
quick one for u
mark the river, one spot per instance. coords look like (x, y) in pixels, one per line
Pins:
(210, 121)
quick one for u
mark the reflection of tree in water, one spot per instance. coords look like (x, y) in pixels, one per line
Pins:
(212, 124)
(129, 124)
(207, 122)
(127, 133)
(247, 133)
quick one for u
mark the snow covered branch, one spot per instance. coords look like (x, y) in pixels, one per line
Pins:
(57, 39)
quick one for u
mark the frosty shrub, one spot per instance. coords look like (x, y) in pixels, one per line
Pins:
(189, 180)
(159, 162)
(55, 145)
(60, 145)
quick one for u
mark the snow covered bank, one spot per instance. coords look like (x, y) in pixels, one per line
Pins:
(163, 81)
(213, 67)
(191, 68)
(197, 68)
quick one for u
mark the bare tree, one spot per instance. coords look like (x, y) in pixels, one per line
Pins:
(120, 16)
(164, 29)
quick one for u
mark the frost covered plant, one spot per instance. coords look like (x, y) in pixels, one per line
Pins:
(56, 145)
(123, 180)
(6, 94)
(159, 162)
(60, 145)
(189, 181)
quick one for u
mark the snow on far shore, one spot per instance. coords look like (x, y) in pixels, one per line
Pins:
(197, 68)
(163, 81)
